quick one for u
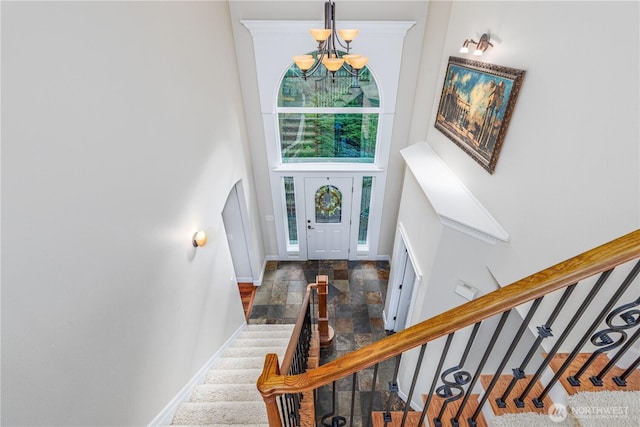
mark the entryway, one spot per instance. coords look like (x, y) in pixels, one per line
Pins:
(328, 217)
(402, 284)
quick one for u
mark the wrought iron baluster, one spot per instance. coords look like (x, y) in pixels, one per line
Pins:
(483, 361)
(544, 331)
(622, 379)
(393, 391)
(436, 375)
(296, 408)
(413, 384)
(572, 323)
(353, 397)
(616, 296)
(336, 420)
(283, 410)
(459, 380)
(514, 343)
(373, 390)
(603, 340)
(597, 379)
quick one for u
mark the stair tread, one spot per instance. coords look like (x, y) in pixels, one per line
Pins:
(270, 327)
(253, 351)
(452, 408)
(633, 381)
(280, 334)
(260, 342)
(225, 392)
(519, 387)
(413, 417)
(230, 413)
(237, 376)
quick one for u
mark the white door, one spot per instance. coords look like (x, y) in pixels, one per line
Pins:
(328, 222)
(406, 290)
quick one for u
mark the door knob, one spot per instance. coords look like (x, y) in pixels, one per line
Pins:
(310, 227)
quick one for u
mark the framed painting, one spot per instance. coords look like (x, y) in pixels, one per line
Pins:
(475, 107)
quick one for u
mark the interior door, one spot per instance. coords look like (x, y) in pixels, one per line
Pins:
(406, 290)
(328, 222)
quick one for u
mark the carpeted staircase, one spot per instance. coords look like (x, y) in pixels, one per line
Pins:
(229, 395)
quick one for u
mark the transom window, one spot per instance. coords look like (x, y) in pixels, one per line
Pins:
(328, 120)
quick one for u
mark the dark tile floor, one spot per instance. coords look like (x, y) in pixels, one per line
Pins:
(357, 290)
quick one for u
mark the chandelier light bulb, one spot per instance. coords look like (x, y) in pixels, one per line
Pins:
(320, 34)
(348, 35)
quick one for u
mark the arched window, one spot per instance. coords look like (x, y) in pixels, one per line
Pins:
(328, 120)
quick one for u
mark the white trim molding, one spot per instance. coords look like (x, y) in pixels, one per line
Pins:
(453, 202)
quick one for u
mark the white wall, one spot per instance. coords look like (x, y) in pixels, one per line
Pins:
(122, 135)
(568, 176)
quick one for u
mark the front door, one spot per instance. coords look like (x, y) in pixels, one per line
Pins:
(328, 222)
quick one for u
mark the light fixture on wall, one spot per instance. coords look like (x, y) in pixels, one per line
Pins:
(199, 238)
(481, 46)
(328, 55)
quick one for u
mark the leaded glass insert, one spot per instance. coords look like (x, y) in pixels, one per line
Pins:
(290, 201)
(328, 202)
(328, 137)
(365, 205)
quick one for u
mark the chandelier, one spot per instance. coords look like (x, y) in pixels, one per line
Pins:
(328, 54)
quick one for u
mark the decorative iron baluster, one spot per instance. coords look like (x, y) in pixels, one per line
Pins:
(336, 420)
(459, 380)
(544, 331)
(483, 361)
(603, 340)
(443, 356)
(597, 379)
(514, 343)
(413, 384)
(616, 296)
(565, 334)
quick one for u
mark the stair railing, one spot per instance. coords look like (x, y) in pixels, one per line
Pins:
(480, 324)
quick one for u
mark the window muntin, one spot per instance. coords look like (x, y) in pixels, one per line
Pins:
(328, 137)
(319, 91)
(324, 121)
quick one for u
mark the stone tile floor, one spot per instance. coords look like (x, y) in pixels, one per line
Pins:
(357, 290)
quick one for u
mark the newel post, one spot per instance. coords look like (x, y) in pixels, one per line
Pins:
(271, 368)
(324, 329)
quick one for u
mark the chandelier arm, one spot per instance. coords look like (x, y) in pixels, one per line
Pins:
(351, 72)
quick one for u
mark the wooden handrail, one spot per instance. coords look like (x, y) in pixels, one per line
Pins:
(566, 273)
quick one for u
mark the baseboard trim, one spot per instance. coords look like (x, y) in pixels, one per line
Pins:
(264, 267)
(165, 416)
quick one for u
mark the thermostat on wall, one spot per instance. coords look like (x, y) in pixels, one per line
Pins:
(465, 290)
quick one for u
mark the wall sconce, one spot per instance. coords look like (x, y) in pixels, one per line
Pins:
(199, 238)
(481, 46)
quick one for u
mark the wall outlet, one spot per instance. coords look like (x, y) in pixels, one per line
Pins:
(465, 290)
